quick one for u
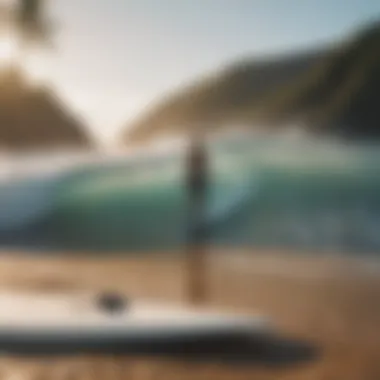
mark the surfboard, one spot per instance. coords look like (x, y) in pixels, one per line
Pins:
(35, 323)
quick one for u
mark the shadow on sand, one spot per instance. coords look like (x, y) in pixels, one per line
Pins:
(261, 350)
(256, 350)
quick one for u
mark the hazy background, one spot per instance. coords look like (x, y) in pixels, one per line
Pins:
(116, 57)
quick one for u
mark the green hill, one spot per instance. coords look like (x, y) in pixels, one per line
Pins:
(333, 90)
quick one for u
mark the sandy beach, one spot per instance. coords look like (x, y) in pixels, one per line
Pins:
(328, 301)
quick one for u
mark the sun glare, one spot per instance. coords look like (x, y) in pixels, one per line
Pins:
(7, 51)
(33, 64)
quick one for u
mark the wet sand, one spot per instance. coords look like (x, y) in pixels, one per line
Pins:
(329, 301)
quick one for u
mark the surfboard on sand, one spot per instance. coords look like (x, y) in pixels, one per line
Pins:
(35, 323)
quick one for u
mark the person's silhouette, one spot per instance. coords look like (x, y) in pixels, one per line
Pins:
(197, 181)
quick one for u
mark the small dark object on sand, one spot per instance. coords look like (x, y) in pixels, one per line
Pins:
(112, 303)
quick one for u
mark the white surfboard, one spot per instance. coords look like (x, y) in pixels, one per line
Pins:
(49, 323)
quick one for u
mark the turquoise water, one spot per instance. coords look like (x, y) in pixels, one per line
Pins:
(262, 194)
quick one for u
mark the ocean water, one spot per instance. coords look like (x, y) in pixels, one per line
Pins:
(312, 196)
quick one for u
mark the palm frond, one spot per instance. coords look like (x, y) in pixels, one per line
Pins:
(32, 24)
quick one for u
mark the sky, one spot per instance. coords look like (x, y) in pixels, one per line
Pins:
(113, 59)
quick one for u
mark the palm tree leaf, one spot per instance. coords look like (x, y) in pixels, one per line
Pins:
(32, 24)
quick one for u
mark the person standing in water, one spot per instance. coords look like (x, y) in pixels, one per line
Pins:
(197, 183)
